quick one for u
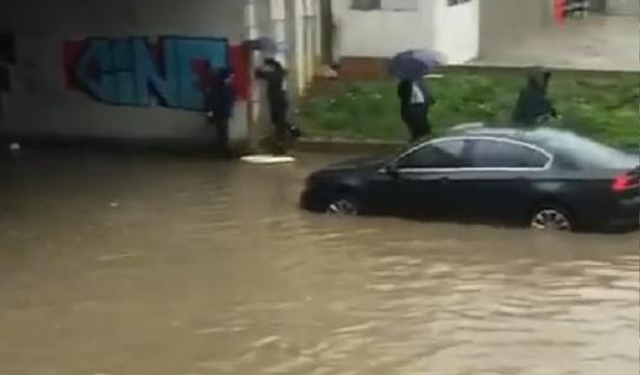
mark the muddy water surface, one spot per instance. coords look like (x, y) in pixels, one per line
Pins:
(153, 265)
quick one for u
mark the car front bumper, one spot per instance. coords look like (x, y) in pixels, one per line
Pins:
(314, 199)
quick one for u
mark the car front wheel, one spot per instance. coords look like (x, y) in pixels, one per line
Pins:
(552, 219)
(343, 205)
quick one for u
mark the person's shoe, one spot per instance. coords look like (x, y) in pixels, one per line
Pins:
(296, 133)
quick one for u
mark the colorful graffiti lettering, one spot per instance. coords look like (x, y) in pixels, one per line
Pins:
(135, 72)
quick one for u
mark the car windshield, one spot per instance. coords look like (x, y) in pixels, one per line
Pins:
(407, 148)
(585, 152)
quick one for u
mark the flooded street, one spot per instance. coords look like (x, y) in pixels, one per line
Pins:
(154, 265)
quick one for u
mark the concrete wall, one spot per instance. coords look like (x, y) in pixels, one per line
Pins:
(383, 33)
(43, 102)
(504, 22)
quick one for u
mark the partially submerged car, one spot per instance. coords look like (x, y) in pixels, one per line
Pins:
(544, 178)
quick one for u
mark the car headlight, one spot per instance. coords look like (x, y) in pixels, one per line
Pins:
(313, 181)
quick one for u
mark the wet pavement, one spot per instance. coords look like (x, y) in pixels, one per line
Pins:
(153, 265)
(603, 43)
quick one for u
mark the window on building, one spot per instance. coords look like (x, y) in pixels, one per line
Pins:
(457, 2)
(400, 5)
(386, 5)
(366, 4)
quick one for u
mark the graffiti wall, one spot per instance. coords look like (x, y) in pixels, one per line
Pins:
(143, 72)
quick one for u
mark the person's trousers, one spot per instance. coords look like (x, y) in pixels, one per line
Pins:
(417, 120)
(222, 136)
(281, 125)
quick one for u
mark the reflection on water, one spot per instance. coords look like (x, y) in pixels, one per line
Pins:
(155, 265)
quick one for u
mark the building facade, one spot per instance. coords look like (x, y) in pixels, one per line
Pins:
(462, 30)
(133, 69)
(381, 28)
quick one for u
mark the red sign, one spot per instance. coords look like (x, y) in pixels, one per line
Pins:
(560, 11)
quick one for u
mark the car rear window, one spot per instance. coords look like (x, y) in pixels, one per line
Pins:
(584, 152)
(502, 154)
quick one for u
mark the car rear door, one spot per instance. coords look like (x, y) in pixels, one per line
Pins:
(498, 182)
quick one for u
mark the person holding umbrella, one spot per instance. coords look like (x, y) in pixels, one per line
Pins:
(274, 75)
(415, 99)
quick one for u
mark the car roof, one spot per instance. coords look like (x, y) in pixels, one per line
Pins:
(513, 133)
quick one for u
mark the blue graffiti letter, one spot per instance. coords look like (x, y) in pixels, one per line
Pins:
(150, 80)
(95, 71)
(189, 50)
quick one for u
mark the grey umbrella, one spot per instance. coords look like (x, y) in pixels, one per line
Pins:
(414, 64)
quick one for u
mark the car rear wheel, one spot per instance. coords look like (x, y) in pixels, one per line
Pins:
(552, 219)
(343, 205)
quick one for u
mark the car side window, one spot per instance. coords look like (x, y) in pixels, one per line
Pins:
(445, 154)
(498, 154)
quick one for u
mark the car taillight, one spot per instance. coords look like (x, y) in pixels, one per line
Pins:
(626, 182)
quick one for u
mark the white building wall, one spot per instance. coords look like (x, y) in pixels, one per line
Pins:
(457, 28)
(380, 33)
(451, 30)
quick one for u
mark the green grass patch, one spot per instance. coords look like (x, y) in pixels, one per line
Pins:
(605, 108)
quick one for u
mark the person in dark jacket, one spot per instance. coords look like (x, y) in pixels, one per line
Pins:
(274, 75)
(533, 105)
(415, 102)
(220, 99)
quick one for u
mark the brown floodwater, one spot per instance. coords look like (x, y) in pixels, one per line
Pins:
(125, 264)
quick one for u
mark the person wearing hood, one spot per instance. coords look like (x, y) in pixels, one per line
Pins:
(533, 105)
(220, 99)
(415, 102)
(274, 75)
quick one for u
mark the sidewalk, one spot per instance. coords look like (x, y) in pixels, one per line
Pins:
(608, 43)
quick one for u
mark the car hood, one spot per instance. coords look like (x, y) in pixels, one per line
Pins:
(357, 164)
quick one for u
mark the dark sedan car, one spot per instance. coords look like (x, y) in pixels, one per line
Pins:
(544, 178)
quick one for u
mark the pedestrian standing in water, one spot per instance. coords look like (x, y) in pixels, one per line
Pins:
(534, 107)
(274, 75)
(220, 99)
(415, 102)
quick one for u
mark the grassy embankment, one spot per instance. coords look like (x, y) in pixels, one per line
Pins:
(605, 108)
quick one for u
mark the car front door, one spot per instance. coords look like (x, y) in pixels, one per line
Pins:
(422, 177)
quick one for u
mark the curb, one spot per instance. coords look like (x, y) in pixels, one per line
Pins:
(338, 145)
(480, 67)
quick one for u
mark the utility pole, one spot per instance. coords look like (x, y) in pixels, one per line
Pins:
(253, 115)
(328, 31)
